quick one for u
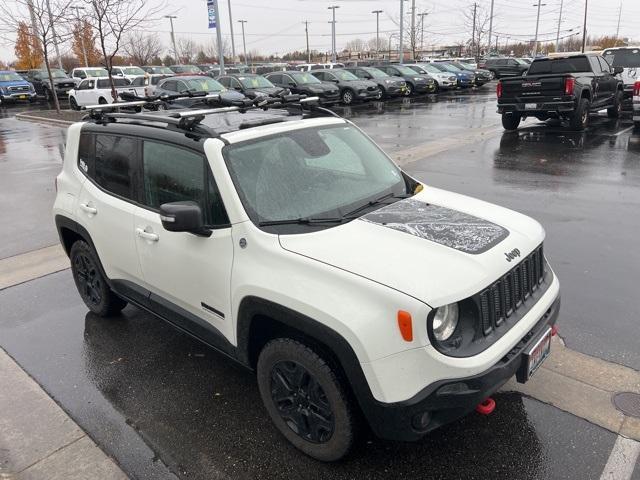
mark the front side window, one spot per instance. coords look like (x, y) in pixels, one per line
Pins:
(304, 77)
(376, 73)
(114, 163)
(173, 174)
(310, 173)
(98, 72)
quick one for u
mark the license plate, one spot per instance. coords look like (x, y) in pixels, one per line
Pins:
(534, 357)
(23, 97)
(530, 106)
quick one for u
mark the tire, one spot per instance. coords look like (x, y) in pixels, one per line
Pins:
(91, 282)
(73, 103)
(409, 91)
(437, 90)
(47, 95)
(494, 75)
(305, 383)
(636, 125)
(511, 121)
(102, 101)
(580, 118)
(616, 110)
(348, 96)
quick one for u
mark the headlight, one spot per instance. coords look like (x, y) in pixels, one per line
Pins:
(388, 81)
(445, 322)
(417, 79)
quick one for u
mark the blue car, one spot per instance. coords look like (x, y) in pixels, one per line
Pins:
(14, 88)
(466, 79)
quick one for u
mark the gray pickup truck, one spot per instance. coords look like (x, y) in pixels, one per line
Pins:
(565, 87)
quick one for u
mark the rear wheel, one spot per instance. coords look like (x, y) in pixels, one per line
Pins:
(580, 118)
(305, 399)
(91, 283)
(511, 120)
(47, 95)
(102, 101)
(616, 110)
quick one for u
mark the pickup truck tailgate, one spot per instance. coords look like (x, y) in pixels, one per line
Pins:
(533, 88)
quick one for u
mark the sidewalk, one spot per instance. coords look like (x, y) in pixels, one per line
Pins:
(38, 440)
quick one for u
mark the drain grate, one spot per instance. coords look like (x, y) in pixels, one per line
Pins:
(628, 403)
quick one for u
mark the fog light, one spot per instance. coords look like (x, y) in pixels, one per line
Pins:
(421, 421)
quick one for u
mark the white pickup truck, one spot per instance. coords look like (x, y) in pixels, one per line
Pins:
(93, 91)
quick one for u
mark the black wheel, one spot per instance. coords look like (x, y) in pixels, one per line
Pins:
(511, 120)
(580, 118)
(494, 75)
(437, 90)
(636, 125)
(47, 95)
(305, 399)
(616, 110)
(102, 101)
(383, 93)
(347, 97)
(91, 283)
(73, 103)
(409, 91)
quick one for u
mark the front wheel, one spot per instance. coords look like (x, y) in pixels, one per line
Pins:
(409, 90)
(91, 283)
(511, 120)
(616, 110)
(73, 103)
(305, 399)
(347, 97)
(47, 95)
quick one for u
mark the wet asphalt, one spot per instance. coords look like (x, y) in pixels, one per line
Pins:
(164, 405)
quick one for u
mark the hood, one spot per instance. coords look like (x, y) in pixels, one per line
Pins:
(268, 91)
(437, 246)
(15, 83)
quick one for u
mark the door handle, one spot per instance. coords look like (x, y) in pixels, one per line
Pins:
(152, 237)
(88, 209)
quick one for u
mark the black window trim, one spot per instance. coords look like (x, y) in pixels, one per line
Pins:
(137, 179)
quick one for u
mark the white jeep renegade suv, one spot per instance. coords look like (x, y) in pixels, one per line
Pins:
(298, 248)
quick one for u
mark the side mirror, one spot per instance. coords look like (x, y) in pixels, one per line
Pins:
(617, 70)
(292, 84)
(183, 217)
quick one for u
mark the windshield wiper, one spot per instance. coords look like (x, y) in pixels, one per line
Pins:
(301, 221)
(377, 201)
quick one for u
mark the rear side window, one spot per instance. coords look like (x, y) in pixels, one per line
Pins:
(115, 163)
(86, 154)
(560, 65)
(173, 174)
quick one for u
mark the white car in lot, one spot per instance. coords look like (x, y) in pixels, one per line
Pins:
(94, 91)
(130, 73)
(295, 246)
(82, 73)
(627, 58)
(444, 80)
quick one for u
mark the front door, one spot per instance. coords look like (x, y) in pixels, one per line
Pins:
(188, 275)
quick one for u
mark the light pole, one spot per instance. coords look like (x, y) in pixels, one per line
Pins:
(80, 31)
(401, 47)
(219, 37)
(173, 38)
(306, 33)
(584, 28)
(413, 31)
(333, 32)
(422, 15)
(490, 25)
(535, 40)
(244, 43)
(233, 42)
(559, 22)
(377, 12)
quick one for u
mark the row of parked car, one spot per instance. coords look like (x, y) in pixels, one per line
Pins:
(332, 82)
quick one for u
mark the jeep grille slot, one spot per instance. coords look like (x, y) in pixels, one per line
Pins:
(500, 300)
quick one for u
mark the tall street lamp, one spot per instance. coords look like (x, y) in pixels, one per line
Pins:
(535, 41)
(80, 27)
(244, 42)
(377, 12)
(333, 33)
(173, 38)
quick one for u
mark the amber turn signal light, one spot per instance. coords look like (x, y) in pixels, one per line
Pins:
(405, 325)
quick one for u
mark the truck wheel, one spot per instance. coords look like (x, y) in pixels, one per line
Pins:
(73, 103)
(580, 118)
(102, 101)
(511, 121)
(91, 283)
(616, 110)
(305, 399)
(47, 95)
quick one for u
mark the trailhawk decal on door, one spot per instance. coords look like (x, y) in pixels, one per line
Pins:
(441, 225)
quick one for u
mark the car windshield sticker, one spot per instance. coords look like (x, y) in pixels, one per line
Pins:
(441, 225)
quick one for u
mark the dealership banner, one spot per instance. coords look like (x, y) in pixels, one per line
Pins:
(212, 13)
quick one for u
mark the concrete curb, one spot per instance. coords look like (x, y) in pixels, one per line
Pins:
(47, 121)
(38, 440)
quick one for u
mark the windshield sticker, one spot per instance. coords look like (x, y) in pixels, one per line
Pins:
(447, 227)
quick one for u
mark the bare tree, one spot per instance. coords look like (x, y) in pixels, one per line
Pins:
(141, 48)
(42, 15)
(112, 19)
(187, 50)
(476, 21)
(211, 49)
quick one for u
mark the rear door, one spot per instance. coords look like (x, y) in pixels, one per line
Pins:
(105, 205)
(187, 274)
(601, 90)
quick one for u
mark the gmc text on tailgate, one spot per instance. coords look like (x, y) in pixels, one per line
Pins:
(568, 88)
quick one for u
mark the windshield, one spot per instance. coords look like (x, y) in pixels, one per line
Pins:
(132, 71)
(430, 68)
(10, 77)
(375, 73)
(418, 69)
(625, 57)
(255, 82)
(317, 172)
(405, 70)
(162, 70)
(521, 62)
(344, 75)
(466, 66)
(55, 73)
(304, 77)
(559, 65)
(204, 84)
(450, 68)
(98, 72)
(439, 66)
(186, 69)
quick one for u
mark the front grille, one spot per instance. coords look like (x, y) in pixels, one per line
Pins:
(19, 89)
(499, 301)
(371, 88)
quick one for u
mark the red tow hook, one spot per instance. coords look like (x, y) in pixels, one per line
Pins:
(487, 406)
(554, 330)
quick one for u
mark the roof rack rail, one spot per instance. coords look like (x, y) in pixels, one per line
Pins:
(190, 120)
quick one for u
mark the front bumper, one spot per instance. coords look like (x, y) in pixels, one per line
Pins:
(19, 96)
(425, 87)
(329, 100)
(449, 400)
(396, 90)
(369, 95)
(465, 83)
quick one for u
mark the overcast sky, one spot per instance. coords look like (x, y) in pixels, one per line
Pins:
(275, 26)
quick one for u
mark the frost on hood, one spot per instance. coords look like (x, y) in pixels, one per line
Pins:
(441, 225)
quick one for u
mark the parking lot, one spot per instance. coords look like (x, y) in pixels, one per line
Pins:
(165, 406)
